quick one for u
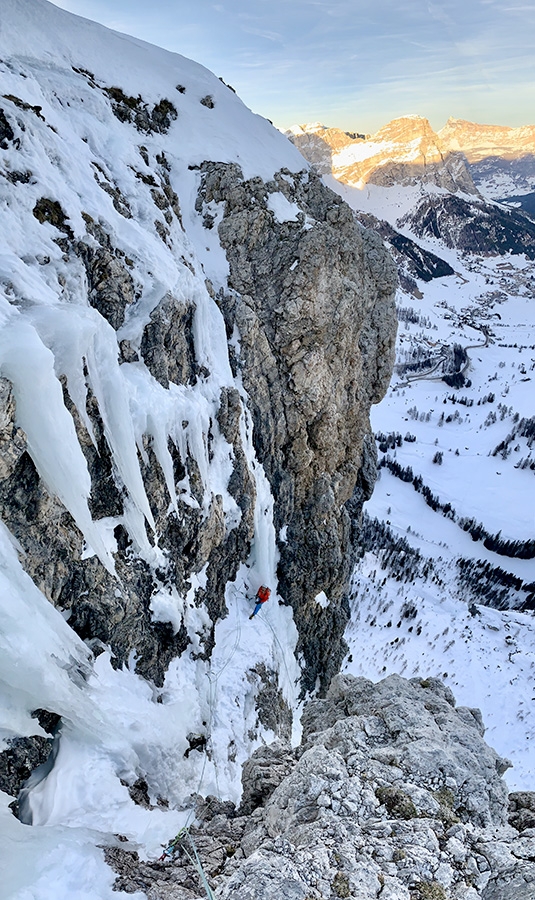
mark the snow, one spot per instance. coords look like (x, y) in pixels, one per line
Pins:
(283, 210)
(485, 655)
(354, 153)
(56, 662)
(140, 68)
(486, 658)
(52, 863)
(116, 727)
(388, 203)
(322, 600)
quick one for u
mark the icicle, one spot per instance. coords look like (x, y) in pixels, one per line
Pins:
(52, 440)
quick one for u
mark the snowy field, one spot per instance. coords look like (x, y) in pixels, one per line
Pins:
(429, 616)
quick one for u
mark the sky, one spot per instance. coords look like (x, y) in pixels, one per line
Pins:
(352, 64)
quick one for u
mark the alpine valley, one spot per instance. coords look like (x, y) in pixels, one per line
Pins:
(197, 316)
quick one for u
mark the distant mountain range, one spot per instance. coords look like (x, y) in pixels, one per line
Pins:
(472, 187)
(496, 161)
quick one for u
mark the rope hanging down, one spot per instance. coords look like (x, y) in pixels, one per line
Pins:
(178, 841)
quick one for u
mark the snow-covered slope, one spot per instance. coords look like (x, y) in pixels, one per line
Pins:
(177, 425)
(447, 585)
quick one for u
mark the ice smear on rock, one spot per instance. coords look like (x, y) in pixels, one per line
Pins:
(41, 413)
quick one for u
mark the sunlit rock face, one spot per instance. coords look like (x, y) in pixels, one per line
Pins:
(319, 144)
(451, 173)
(406, 151)
(502, 159)
(479, 141)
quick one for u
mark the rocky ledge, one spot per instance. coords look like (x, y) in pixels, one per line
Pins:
(393, 793)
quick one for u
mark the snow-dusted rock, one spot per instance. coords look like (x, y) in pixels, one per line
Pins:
(393, 793)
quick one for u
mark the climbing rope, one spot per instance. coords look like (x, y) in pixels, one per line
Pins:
(184, 833)
(213, 679)
(262, 617)
(178, 841)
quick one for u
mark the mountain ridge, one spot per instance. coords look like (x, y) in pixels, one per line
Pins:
(438, 157)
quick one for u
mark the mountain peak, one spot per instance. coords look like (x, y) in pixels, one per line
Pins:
(481, 141)
(406, 150)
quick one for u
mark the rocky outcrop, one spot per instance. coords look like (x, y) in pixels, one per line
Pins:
(312, 300)
(392, 793)
(311, 294)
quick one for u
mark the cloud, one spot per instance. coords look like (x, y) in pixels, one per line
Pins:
(355, 65)
(440, 15)
(267, 35)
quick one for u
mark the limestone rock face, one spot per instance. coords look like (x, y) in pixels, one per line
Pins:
(312, 300)
(502, 159)
(319, 145)
(392, 793)
(479, 141)
(406, 151)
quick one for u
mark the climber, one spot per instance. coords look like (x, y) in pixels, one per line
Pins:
(262, 596)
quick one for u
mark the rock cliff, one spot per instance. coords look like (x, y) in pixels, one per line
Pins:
(480, 141)
(194, 328)
(406, 151)
(393, 793)
(311, 298)
(502, 159)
